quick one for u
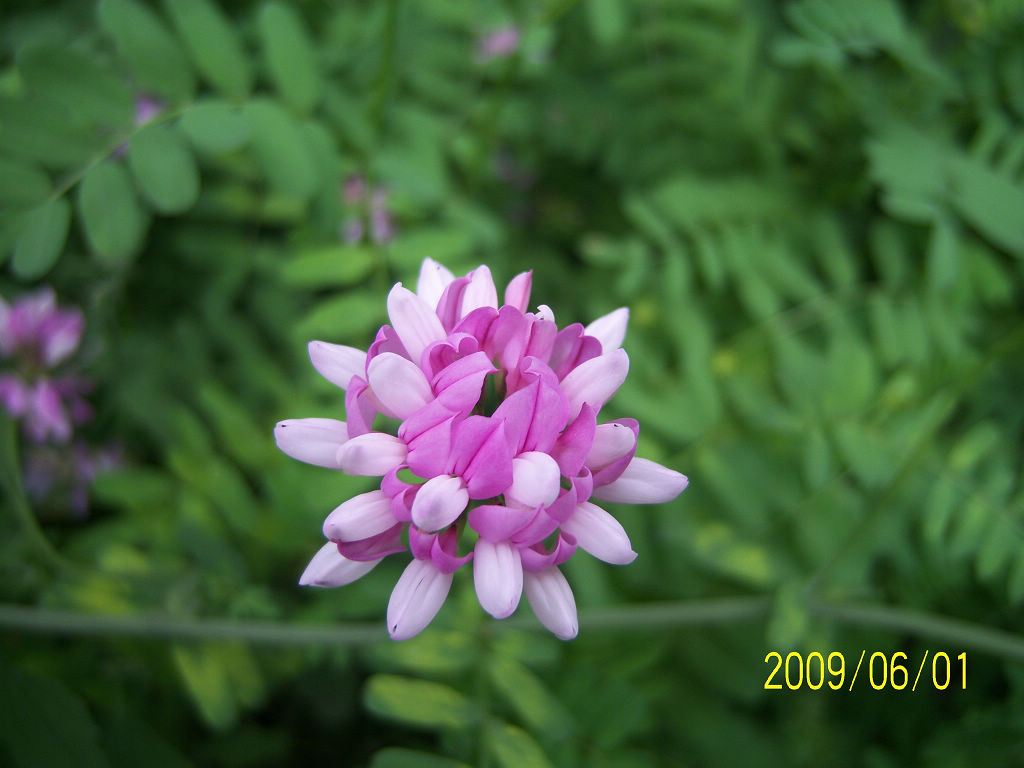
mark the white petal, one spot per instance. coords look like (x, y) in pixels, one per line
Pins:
(314, 441)
(610, 329)
(329, 568)
(417, 597)
(361, 517)
(551, 600)
(439, 502)
(600, 534)
(544, 312)
(373, 454)
(535, 479)
(434, 278)
(480, 292)
(595, 381)
(643, 482)
(498, 577)
(399, 385)
(414, 320)
(336, 362)
(611, 442)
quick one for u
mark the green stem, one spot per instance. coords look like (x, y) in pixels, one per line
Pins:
(632, 618)
(386, 74)
(10, 480)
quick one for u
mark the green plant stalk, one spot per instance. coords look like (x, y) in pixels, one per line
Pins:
(630, 618)
(10, 480)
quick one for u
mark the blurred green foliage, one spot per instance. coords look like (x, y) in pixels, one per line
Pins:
(815, 212)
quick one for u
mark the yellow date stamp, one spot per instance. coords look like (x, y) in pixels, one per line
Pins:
(896, 671)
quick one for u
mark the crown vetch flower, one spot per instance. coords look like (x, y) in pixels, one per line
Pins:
(36, 337)
(499, 432)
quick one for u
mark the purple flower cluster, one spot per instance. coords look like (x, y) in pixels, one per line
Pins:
(499, 431)
(37, 337)
(374, 203)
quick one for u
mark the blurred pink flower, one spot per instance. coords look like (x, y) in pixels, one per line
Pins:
(498, 410)
(367, 206)
(498, 44)
(36, 336)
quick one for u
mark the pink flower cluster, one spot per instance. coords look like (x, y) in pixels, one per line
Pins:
(37, 337)
(498, 430)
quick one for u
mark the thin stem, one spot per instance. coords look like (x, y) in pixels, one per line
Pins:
(10, 480)
(633, 618)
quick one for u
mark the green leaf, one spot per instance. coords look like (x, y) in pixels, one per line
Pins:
(44, 132)
(281, 150)
(397, 757)
(418, 702)
(152, 52)
(345, 318)
(43, 724)
(606, 19)
(329, 265)
(22, 183)
(513, 747)
(42, 239)
(289, 54)
(91, 94)
(164, 168)
(207, 681)
(215, 126)
(213, 45)
(526, 694)
(112, 218)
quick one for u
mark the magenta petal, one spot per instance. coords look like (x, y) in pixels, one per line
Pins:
(329, 568)
(416, 599)
(551, 599)
(480, 292)
(373, 454)
(336, 362)
(386, 341)
(439, 502)
(600, 534)
(360, 407)
(536, 558)
(517, 292)
(399, 385)
(449, 308)
(610, 329)
(643, 482)
(374, 547)
(444, 551)
(361, 517)
(46, 414)
(14, 395)
(571, 349)
(535, 480)
(477, 323)
(482, 456)
(60, 335)
(573, 445)
(459, 385)
(507, 336)
(498, 523)
(314, 441)
(434, 278)
(595, 381)
(539, 528)
(498, 577)
(414, 320)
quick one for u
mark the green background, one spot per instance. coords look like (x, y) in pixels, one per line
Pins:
(815, 213)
